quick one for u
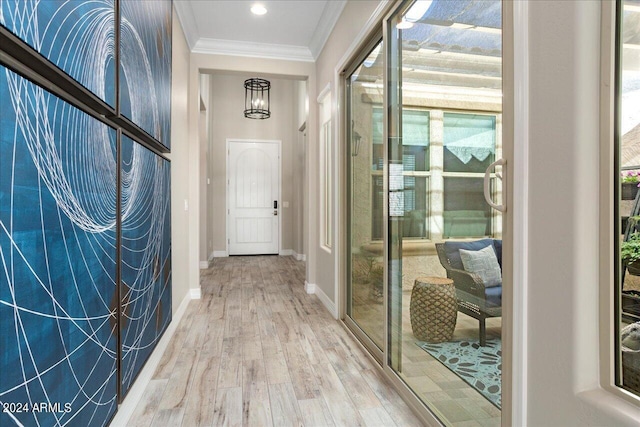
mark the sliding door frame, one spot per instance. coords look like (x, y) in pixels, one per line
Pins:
(514, 99)
(355, 62)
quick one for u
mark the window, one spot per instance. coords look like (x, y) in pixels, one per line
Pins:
(327, 237)
(450, 176)
(628, 226)
(469, 148)
(326, 230)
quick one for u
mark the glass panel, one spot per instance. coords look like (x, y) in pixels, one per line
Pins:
(445, 56)
(415, 158)
(415, 129)
(415, 223)
(469, 142)
(466, 213)
(377, 206)
(628, 124)
(366, 195)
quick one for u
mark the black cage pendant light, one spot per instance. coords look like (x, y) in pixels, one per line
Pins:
(257, 99)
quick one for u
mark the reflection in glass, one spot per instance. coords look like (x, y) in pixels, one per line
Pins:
(415, 165)
(469, 142)
(628, 123)
(466, 213)
(366, 197)
(444, 103)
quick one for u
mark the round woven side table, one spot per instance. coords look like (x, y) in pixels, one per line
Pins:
(433, 309)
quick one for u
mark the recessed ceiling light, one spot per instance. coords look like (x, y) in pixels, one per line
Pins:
(258, 9)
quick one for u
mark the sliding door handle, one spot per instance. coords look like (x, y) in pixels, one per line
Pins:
(487, 182)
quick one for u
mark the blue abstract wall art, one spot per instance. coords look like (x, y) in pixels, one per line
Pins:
(77, 36)
(58, 304)
(146, 255)
(73, 339)
(145, 66)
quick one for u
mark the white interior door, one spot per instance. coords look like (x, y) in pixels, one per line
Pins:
(253, 197)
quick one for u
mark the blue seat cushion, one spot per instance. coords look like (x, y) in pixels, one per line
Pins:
(494, 296)
(452, 249)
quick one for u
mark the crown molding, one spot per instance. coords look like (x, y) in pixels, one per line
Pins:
(252, 50)
(187, 21)
(328, 20)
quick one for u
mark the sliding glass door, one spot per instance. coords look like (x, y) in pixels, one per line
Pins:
(365, 164)
(424, 136)
(444, 59)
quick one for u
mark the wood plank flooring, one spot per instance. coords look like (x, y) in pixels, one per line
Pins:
(256, 350)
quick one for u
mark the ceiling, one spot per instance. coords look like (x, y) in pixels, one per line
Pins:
(294, 30)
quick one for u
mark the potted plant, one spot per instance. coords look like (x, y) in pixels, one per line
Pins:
(369, 271)
(630, 251)
(630, 181)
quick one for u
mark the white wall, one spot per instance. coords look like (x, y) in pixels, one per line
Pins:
(179, 164)
(563, 248)
(228, 122)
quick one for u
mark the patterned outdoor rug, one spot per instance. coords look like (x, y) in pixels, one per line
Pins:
(480, 367)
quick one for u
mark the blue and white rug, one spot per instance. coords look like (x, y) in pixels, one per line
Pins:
(480, 367)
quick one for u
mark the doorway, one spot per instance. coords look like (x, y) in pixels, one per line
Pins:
(253, 197)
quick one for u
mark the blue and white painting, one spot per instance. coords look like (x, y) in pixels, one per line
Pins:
(146, 255)
(58, 304)
(145, 66)
(77, 36)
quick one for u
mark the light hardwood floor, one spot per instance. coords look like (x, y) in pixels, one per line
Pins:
(256, 350)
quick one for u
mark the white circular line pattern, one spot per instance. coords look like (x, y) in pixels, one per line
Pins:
(146, 255)
(77, 36)
(145, 57)
(57, 250)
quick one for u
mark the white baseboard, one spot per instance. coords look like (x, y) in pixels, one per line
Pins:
(126, 408)
(310, 288)
(330, 305)
(286, 252)
(220, 254)
(204, 265)
(299, 257)
(195, 293)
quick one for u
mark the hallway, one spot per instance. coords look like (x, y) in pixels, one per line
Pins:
(256, 350)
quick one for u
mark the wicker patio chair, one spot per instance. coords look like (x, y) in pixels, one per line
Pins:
(474, 299)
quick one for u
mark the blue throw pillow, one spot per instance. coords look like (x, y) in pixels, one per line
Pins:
(483, 263)
(452, 249)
